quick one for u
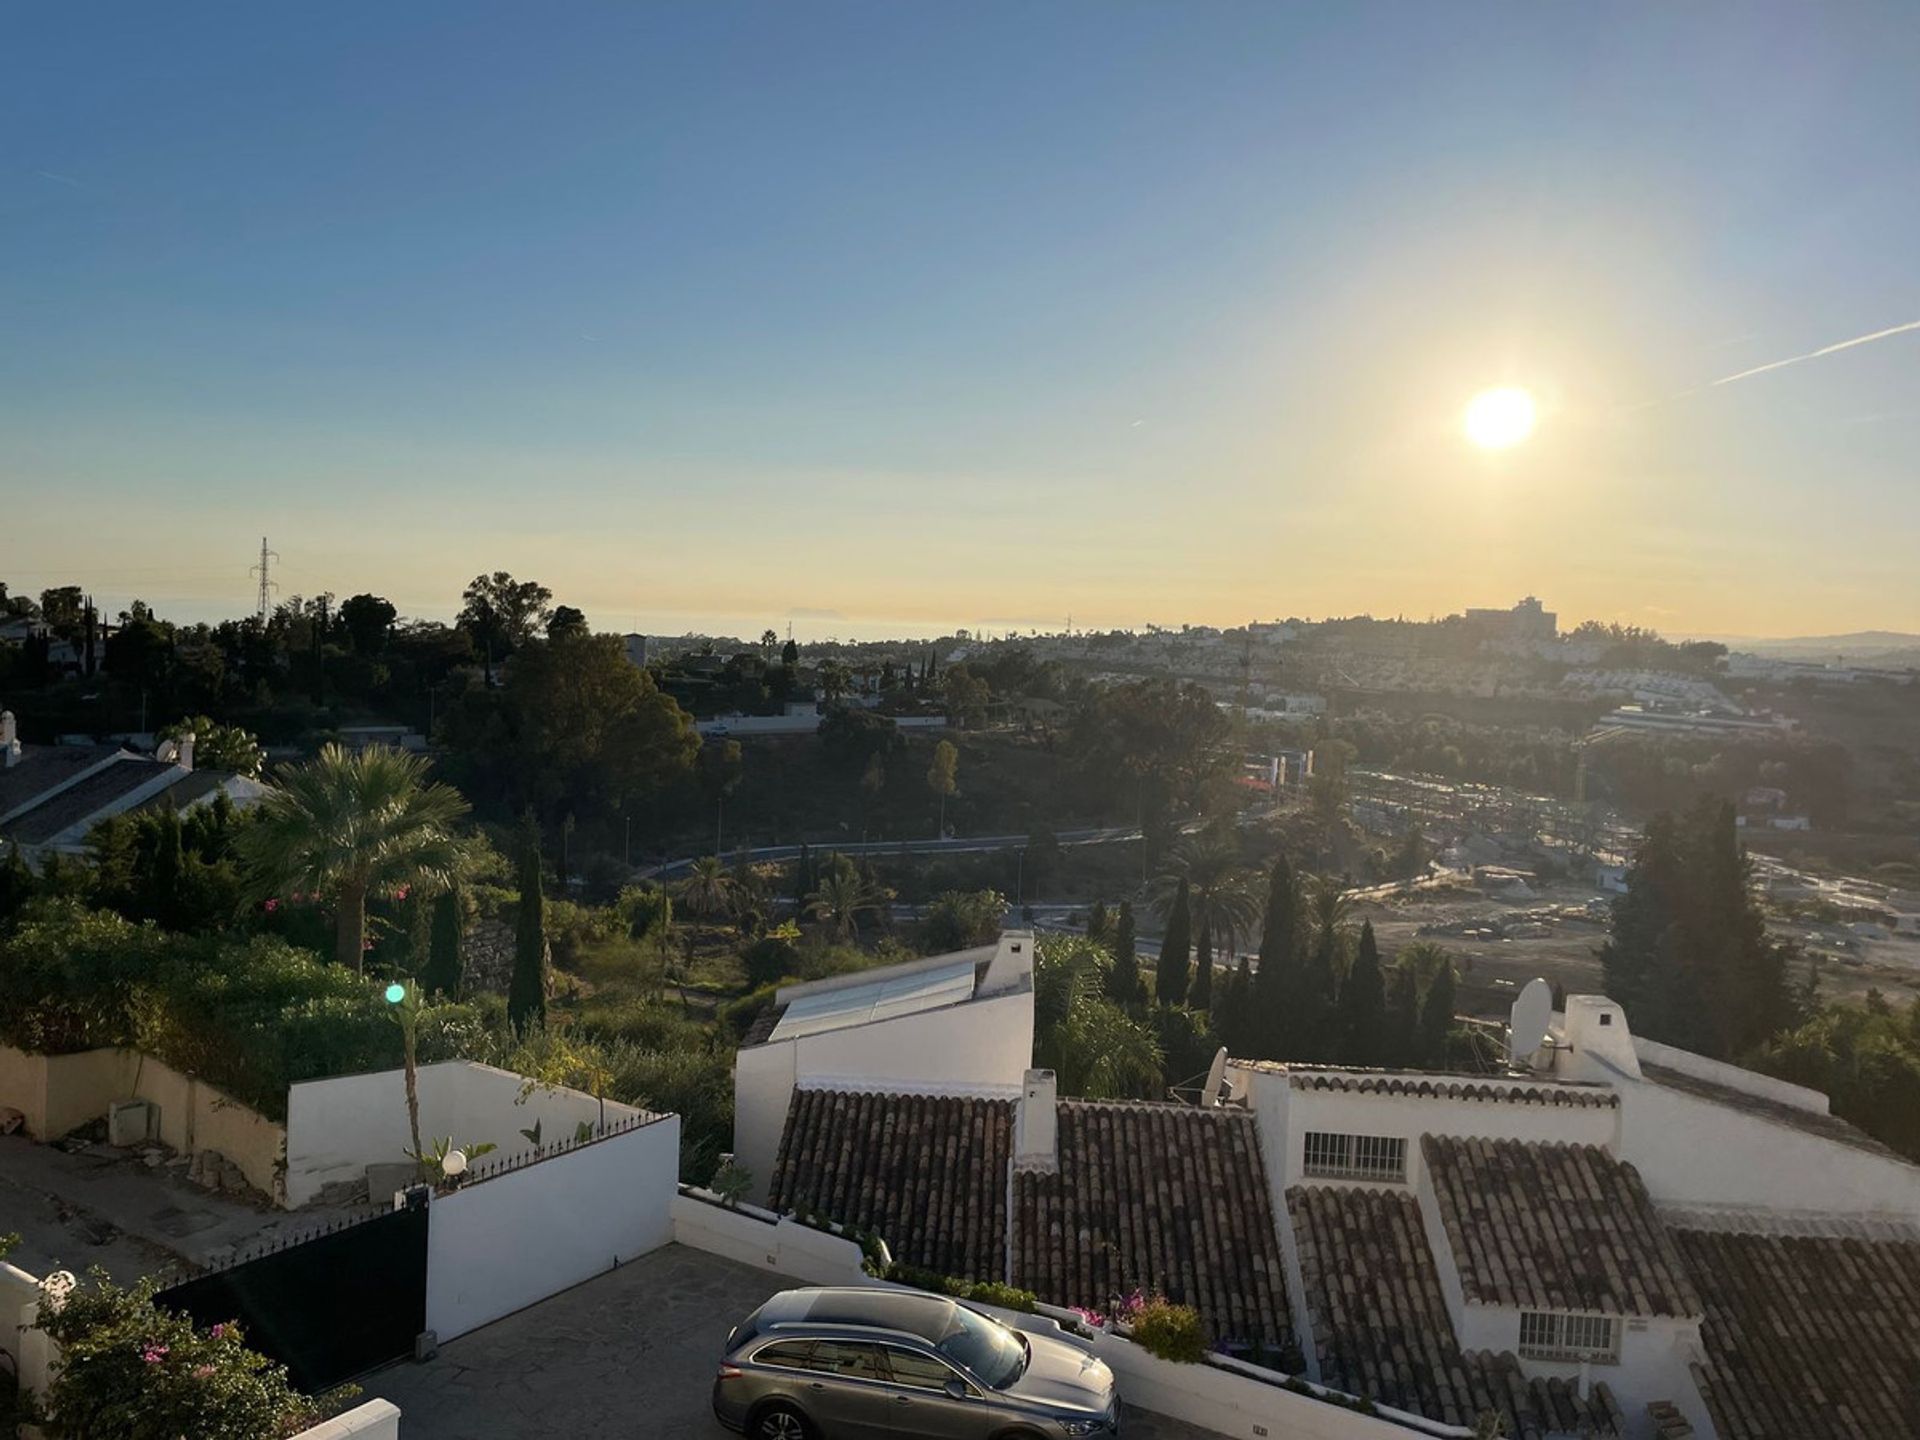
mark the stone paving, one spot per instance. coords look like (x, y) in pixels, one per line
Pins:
(99, 1206)
(630, 1354)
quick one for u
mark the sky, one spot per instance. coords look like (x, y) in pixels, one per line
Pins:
(884, 318)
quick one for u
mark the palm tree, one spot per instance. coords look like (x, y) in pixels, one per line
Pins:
(1097, 1050)
(708, 888)
(1223, 893)
(349, 826)
(843, 897)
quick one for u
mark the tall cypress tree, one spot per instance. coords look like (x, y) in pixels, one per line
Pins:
(527, 991)
(1313, 1008)
(1123, 980)
(1403, 1015)
(1172, 974)
(1200, 997)
(1363, 1004)
(162, 901)
(1233, 1009)
(1270, 1033)
(1436, 1017)
(1099, 923)
(442, 973)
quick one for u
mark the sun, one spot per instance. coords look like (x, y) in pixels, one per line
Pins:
(1499, 419)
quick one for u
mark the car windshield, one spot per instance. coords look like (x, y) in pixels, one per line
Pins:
(995, 1354)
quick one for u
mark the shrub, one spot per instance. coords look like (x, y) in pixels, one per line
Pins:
(770, 960)
(981, 1292)
(1170, 1331)
(129, 1369)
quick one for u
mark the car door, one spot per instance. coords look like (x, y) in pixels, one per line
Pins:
(923, 1406)
(847, 1392)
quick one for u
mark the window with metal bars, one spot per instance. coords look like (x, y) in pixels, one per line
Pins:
(1546, 1336)
(1333, 1156)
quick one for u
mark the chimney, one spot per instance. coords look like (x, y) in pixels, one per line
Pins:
(9, 741)
(183, 751)
(1036, 1124)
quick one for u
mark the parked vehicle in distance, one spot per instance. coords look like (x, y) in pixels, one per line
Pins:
(855, 1364)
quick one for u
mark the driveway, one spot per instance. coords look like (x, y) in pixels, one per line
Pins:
(630, 1354)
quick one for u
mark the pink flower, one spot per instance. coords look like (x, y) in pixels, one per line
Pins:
(401, 893)
(202, 1372)
(272, 905)
(154, 1354)
(219, 1331)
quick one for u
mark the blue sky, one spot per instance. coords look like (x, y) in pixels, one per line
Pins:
(905, 316)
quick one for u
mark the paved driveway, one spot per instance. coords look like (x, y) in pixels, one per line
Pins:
(628, 1355)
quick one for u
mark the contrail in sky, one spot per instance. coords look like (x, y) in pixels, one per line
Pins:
(1816, 354)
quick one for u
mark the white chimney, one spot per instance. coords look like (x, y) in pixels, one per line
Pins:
(1596, 1044)
(9, 741)
(1036, 1124)
(183, 752)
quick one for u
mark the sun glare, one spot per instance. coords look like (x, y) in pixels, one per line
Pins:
(1499, 419)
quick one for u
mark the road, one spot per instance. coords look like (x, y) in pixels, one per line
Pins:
(952, 845)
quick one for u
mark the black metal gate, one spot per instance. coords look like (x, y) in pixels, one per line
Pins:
(328, 1307)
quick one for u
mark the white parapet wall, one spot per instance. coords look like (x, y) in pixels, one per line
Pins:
(336, 1128)
(375, 1420)
(501, 1243)
(758, 1237)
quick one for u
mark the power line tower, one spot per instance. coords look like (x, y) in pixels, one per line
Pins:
(267, 587)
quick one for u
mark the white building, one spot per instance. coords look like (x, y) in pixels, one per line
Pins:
(1615, 1238)
(957, 1024)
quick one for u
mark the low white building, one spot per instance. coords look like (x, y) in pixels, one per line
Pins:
(955, 1024)
(1613, 1238)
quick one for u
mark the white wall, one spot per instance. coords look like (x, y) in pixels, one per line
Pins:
(1284, 1115)
(375, 1420)
(1692, 1151)
(752, 1237)
(978, 1043)
(498, 1245)
(338, 1127)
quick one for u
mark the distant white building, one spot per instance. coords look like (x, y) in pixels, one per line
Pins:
(637, 650)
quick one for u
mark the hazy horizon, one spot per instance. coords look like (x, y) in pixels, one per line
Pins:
(900, 319)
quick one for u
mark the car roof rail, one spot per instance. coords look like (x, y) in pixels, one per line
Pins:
(815, 1327)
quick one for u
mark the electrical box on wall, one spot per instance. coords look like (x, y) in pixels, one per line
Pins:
(132, 1122)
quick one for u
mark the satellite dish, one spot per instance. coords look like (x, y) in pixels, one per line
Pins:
(1527, 1025)
(1216, 1077)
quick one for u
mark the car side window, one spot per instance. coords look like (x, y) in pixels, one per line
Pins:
(784, 1354)
(846, 1358)
(920, 1372)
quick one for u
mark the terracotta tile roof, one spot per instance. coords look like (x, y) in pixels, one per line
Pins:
(1381, 1328)
(1146, 1195)
(1810, 1338)
(928, 1173)
(1436, 1085)
(1554, 1227)
(1827, 1127)
(1156, 1196)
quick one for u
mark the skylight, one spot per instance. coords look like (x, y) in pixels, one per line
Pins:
(878, 1000)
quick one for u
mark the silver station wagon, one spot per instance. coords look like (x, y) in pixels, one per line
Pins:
(853, 1364)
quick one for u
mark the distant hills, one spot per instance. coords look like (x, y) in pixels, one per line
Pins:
(1878, 647)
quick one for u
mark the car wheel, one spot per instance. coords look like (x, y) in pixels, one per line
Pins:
(781, 1422)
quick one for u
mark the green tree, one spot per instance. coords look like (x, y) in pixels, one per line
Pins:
(961, 920)
(1173, 973)
(719, 767)
(1124, 985)
(1093, 1046)
(708, 889)
(368, 621)
(943, 777)
(443, 972)
(1100, 924)
(527, 990)
(843, 897)
(1435, 1027)
(567, 623)
(1687, 953)
(351, 826)
(1273, 1029)
(219, 747)
(1397, 1046)
(1363, 1004)
(1222, 891)
(502, 614)
(1200, 996)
